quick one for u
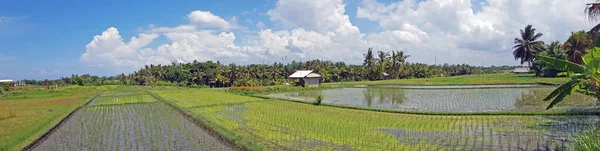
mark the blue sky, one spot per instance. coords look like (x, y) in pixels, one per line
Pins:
(44, 39)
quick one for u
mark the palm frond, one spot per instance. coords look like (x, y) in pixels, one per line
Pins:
(562, 64)
(560, 93)
(592, 11)
(538, 35)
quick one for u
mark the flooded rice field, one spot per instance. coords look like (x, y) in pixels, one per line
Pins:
(112, 123)
(442, 98)
(292, 126)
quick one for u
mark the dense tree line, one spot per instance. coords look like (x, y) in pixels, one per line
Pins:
(384, 65)
(528, 48)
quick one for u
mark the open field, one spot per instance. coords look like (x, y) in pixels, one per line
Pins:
(282, 125)
(467, 80)
(28, 114)
(121, 120)
(136, 118)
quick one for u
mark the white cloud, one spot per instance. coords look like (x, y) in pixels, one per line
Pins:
(205, 19)
(457, 31)
(307, 29)
(109, 49)
(321, 16)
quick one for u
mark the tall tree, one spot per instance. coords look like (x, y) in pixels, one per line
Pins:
(527, 46)
(593, 13)
(576, 45)
(369, 58)
(383, 56)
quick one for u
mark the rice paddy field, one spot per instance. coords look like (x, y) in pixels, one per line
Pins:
(142, 118)
(283, 125)
(464, 98)
(129, 120)
(480, 79)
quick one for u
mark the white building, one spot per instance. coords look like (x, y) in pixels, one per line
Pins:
(522, 70)
(307, 78)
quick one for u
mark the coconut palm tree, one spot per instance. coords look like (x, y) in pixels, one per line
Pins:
(593, 14)
(527, 46)
(383, 56)
(369, 58)
(576, 45)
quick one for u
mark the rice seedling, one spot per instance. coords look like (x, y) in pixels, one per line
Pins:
(122, 99)
(149, 126)
(199, 98)
(294, 126)
(441, 100)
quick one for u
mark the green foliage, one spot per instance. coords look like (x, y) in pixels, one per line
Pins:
(584, 77)
(554, 50)
(214, 74)
(318, 99)
(576, 46)
(467, 79)
(587, 141)
(527, 46)
(4, 88)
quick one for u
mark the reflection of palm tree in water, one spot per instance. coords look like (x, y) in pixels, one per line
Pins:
(393, 96)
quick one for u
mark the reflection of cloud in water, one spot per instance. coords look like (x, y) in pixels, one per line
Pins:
(538, 133)
(438, 100)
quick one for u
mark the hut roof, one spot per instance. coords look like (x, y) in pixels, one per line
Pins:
(304, 73)
(5, 81)
(521, 70)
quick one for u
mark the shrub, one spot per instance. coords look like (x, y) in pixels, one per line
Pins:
(319, 98)
(587, 141)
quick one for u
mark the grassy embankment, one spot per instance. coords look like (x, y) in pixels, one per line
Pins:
(31, 112)
(467, 80)
(274, 124)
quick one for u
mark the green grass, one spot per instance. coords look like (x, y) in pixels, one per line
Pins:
(28, 114)
(284, 125)
(122, 99)
(287, 125)
(467, 80)
(188, 98)
(587, 141)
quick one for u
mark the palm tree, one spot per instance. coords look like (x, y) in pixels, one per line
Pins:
(576, 45)
(383, 56)
(527, 46)
(398, 58)
(401, 58)
(369, 58)
(593, 13)
(554, 49)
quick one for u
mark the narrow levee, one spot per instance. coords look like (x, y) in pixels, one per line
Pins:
(129, 120)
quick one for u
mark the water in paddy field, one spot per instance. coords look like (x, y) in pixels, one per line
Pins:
(141, 126)
(486, 98)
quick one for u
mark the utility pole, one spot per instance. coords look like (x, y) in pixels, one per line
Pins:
(435, 58)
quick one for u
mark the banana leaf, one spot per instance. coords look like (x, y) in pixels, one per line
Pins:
(561, 92)
(562, 64)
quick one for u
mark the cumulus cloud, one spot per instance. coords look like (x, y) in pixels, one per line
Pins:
(205, 19)
(109, 49)
(452, 30)
(459, 32)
